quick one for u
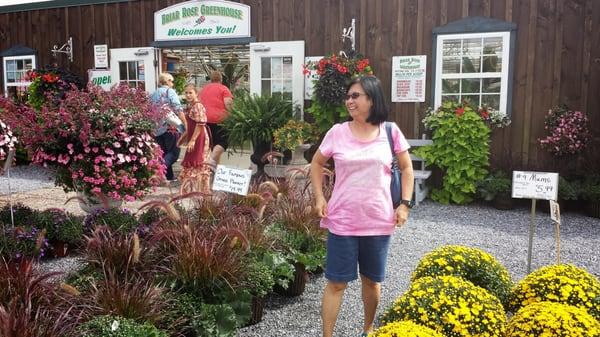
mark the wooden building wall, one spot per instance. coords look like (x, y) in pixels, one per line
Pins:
(557, 57)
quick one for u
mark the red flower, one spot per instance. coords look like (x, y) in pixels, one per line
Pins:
(484, 114)
(50, 78)
(459, 111)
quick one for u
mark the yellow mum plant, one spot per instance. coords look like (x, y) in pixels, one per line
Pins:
(552, 320)
(294, 133)
(471, 264)
(563, 283)
(451, 306)
(404, 329)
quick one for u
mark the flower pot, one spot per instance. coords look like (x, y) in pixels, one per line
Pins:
(90, 204)
(298, 154)
(593, 208)
(297, 284)
(257, 308)
(503, 202)
(60, 248)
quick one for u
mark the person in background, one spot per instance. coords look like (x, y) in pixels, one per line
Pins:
(360, 216)
(218, 100)
(171, 127)
(195, 176)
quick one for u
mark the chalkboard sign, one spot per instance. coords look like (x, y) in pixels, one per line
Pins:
(232, 180)
(535, 185)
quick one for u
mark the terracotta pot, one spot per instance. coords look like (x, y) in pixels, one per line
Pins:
(296, 285)
(593, 208)
(257, 308)
(60, 248)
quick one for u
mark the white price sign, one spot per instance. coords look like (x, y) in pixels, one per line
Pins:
(232, 180)
(535, 185)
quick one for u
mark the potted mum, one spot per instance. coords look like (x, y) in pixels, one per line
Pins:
(295, 136)
(99, 142)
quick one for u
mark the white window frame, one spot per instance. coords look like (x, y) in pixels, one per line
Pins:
(503, 74)
(5, 70)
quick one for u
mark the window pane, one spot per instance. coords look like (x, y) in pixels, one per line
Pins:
(287, 96)
(287, 67)
(470, 85)
(265, 88)
(28, 64)
(492, 101)
(132, 70)
(276, 67)
(11, 65)
(142, 85)
(492, 45)
(265, 66)
(472, 46)
(287, 86)
(450, 86)
(492, 64)
(20, 64)
(10, 76)
(473, 100)
(451, 66)
(491, 85)
(122, 71)
(276, 86)
(450, 98)
(451, 48)
(471, 64)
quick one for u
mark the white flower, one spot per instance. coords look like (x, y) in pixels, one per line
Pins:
(114, 326)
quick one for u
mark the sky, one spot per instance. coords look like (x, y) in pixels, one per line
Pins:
(16, 2)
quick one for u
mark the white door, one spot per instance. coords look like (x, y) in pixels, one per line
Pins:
(276, 69)
(134, 66)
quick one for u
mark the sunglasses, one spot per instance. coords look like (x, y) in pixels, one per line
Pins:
(354, 95)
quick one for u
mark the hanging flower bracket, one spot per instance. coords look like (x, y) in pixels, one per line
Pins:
(66, 48)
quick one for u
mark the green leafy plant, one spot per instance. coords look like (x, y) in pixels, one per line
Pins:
(61, 226)
(293, 134)
(552, 319)
(405, 329)
(494, 184)
(117, 219)
(568, 131)
(254, 118)
(591, 188)
(21, 214)
(563, 283)
(569, 190)
(22, 242)
(116, 326)
(460, 148)
(471, 264)
(450, 305)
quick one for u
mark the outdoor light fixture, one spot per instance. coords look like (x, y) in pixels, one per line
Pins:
(141, 52)
(66, 48)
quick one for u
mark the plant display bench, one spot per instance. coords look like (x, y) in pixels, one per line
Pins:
(420, 173)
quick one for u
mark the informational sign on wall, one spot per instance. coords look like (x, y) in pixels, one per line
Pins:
(200, 19)
(101, 78)
(232, 180)
(408, 78)
(100, 56)
(310, 77)
(535, 185)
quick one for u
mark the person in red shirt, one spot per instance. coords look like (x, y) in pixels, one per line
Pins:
(218, 100)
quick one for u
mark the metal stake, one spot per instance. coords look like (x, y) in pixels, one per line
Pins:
(531, 229)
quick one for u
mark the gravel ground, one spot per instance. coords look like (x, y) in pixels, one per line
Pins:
(26, 178)
(504, 234)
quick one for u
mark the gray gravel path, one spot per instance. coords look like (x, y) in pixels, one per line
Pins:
(502, 233)
(26, 178)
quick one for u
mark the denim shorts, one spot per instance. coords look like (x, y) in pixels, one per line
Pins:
(344, 253)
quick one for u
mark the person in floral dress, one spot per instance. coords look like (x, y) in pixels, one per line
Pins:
(195, 176)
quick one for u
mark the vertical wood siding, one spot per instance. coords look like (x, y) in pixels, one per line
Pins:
(557, 59)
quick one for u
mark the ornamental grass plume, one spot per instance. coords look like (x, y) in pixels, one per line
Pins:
(553, 320)
(451, 306)
(563, 283)
(404, 329)
(471, 264)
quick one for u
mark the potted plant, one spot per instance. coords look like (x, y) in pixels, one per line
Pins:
(568, 132)
(496, 187)
(591, 194)
(100, 143)
(253, 119)
(295, 136)
(259, 282)
(63, 230)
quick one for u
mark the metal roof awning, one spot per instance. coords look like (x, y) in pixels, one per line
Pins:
(18, 50)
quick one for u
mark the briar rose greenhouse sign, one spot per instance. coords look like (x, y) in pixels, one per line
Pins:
(194, 20)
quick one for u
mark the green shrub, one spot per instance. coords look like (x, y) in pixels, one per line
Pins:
(115, 326)
(494, 184)
(118, 220)
(591, 188)
(449, 305)
(552, 319)
(471, 264)
(460, 148)
(563, 283)
(259, 278)
(61, 226)
(23, 215)
(568, 190)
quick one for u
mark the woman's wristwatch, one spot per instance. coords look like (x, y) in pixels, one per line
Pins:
(407, 203)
